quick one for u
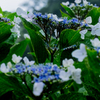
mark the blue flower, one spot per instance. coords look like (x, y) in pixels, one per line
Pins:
(75, 20)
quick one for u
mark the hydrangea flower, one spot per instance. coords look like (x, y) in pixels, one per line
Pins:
(85, 2)
(77, 1)
(88, 20)
(96, 29)
(72, 5)
(27, 62)
(67, 62)
(9, 64)
(95, 42)
(4, 68)
(83, 32)
(15, 58)
(29, 17)
(80, 54)
(65, 3)
(17, 20)
(16, 26)
(64, 75)
(38, 88)
(75, 73)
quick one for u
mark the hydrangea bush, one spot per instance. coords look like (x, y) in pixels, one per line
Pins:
(65, 51)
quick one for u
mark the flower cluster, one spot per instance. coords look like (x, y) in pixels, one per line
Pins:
(6, 20)
(16, 27)
(80, 9)
(42, 73)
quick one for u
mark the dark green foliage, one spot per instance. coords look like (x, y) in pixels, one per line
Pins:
(17, 49)
(37, 43)
(69, 37)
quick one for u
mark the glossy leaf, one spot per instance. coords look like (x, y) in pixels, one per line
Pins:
(18, 49)
(4, 50)
(65, 15)
(4, 31)
(68, 10)
(69, 37)
(8, 83)
(37, 43)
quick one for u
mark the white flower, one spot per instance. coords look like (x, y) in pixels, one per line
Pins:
(76, 75)
(53, 16)
(67, 63)
(19, 11)
(9, 64)
(80, 54)
(83, 32)
(15, 58)
(17, 20)
(85, 2)
(71, 69)
(77, 1)
(27, 62)
(4, 68)
(24, 14)
(65, 3)
(1, 15)
(88, 20)
(96, 29)
(38, 88)
(64, 75)
(72, 5)
(95, 42)
(16, 27)
(16, 30)
(26, 36)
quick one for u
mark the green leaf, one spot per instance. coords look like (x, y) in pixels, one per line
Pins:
(65, 15)
(28, 79)
(8, 83)
(94, 13)
(1, 12)
(6, 13)
(4, 31)
(92, 91)
(11, 16)
(30, 25)
(4, 50)
(57, 57)
(37, 42)
(52, 88)
(68, 10)
(72, 96)
(69, 37)
(18, 49)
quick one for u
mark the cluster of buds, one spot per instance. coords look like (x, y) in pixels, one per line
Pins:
(6, 20)
(80, 9)
(49, 23)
